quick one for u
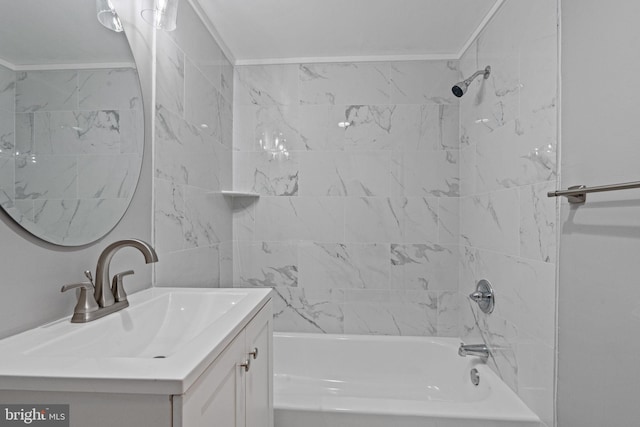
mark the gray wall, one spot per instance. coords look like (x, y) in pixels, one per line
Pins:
(599, 306)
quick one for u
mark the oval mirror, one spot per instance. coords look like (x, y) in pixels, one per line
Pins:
(71, 120)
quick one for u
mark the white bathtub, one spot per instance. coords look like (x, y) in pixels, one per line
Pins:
(372, 381)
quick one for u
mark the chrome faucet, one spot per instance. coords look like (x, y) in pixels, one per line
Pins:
(103, 294)
(105, 299)
(479, 350)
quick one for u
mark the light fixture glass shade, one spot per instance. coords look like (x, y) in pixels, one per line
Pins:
(107, 15)
(162, 15)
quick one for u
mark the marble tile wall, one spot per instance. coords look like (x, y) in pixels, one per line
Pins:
(62, 132)
(356, 228)
(192, 159)
(508, 145)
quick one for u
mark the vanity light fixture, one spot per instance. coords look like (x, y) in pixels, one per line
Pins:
(162, 14)
(107, 15)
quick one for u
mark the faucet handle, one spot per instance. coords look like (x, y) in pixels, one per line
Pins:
(117, 287)
(88, 275)
(86, 302)
(81, 285)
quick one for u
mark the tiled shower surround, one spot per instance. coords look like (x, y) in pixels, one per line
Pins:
(192, 158)
(507, 223)
(396, 198)
(357, 228)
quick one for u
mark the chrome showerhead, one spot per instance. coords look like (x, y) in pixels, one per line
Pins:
(460, 88)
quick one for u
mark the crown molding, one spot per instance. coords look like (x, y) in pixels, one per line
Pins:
(79, 66)
(340, 59)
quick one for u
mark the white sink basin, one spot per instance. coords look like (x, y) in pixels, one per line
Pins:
(160, 344)
(155, 328)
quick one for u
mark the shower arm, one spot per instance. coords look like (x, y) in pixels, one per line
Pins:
(484, 72)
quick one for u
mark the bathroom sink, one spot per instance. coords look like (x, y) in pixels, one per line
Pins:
(162, 341)
(154, 329)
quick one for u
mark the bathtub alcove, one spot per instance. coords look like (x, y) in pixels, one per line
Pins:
(356, 380)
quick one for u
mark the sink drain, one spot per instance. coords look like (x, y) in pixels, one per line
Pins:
(159, 357)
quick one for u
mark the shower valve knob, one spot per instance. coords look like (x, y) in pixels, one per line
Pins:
(479, 296)
(484, 296)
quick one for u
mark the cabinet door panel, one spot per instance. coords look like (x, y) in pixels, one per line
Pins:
(259, 378)
(217, 398)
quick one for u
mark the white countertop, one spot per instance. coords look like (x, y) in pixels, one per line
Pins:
(24, 365)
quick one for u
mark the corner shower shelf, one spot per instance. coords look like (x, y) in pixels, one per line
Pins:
(239, 194)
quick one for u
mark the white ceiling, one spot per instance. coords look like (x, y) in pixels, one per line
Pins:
(40, 33)
(281, 31)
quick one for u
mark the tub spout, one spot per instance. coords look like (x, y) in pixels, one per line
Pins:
(478, 350)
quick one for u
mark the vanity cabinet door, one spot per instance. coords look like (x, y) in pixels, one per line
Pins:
(259, 378)
(217, 397)
(237, 389)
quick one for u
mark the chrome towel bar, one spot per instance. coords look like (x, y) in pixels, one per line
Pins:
(578, 193)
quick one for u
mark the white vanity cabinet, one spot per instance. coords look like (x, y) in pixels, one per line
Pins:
(218, 373)
(236, 390)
